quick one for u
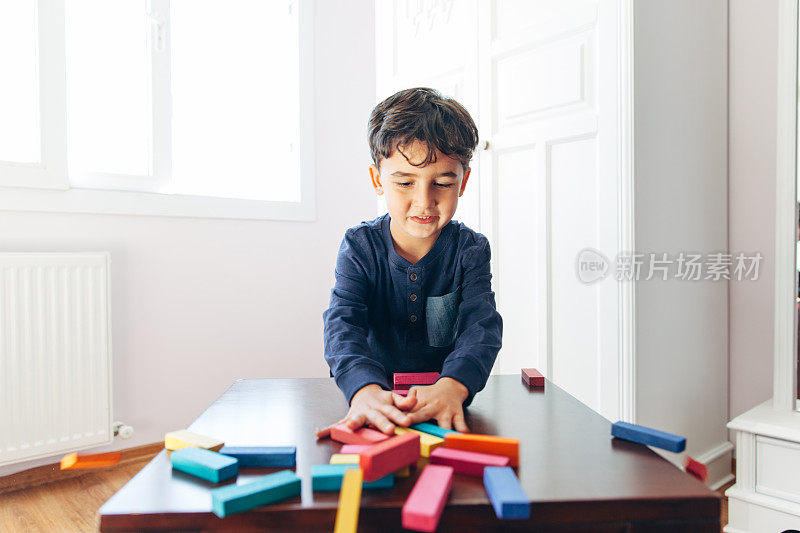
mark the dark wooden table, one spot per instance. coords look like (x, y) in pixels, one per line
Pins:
(577, 477)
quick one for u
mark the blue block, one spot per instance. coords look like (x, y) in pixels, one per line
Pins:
(329, 477)
(648, 436)
(264, 490)
(204, 464)
(269, 456)
(432, 429)
(505, 492)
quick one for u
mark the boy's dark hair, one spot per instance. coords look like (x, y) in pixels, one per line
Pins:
(425, 115)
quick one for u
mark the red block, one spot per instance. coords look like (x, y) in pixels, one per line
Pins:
(696, 468)
(532, 377)
(405, 381)
(464, 462)
(402, 392)
(390, 455)
(345, 435)
(425, 503)
(353, 448)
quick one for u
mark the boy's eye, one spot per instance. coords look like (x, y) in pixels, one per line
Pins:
(444, 185)
(404, 184)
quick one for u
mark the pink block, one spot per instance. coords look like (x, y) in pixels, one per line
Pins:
(464, 462)
(353, 448)
(427, 499)
(404, 381)
(402, 392)
(345, 435)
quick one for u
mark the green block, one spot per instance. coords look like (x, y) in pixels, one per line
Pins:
(264, 490)
(205, 464)
(329, 478)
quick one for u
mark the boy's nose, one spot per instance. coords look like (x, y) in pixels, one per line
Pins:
(423, 198)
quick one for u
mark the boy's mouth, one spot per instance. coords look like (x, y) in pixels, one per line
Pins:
(424, 220)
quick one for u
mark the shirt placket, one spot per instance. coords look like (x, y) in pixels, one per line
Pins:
(414, 302)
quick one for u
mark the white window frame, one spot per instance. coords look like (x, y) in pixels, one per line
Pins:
(45, 187)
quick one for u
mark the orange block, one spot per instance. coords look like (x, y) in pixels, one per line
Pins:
(74, 461)
(472, 442)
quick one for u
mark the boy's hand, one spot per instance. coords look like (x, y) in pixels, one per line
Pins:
(441, 401)
(375, 406)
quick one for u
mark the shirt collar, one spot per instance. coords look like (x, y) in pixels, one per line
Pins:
(442, 243)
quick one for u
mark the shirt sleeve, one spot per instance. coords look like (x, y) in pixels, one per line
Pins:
(480, 326)
(345, 322)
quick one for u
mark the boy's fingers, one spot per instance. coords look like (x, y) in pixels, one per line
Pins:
(444, 421)
(421, 414)
(395, 415)
(377, 419)
(459, 423)
(324, 432)
(356, 421)
(405, 403)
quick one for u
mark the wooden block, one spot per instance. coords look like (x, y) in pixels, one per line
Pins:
(433, 429)
(205, 464)
(472, 442)
(425, 503)
(403, 472)
(696, 469)
(505, 492)
(264, 490)
(353, 448)
(406, 380)
(344, 459)
(427, 442)
(648, 436)
(262, 456)
(73, 461)
(389, 456)
(349, 502)
(464, 462)
(345, 435)
(329, 477)
(532, 377)
(182, 438)
(401, 392)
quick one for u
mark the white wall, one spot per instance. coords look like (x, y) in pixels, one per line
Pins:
(751, 161)
(680, 143)
(199, 303)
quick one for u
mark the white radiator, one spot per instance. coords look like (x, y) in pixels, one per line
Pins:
(55, 354)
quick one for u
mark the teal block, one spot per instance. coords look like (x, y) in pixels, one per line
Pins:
(432, 429)
(204, 464)
(329, 477)
(262, 456)
(264, 490)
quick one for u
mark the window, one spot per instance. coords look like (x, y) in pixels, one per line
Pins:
(198, 101)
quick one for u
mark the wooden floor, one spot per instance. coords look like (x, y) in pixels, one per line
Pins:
(70, 505)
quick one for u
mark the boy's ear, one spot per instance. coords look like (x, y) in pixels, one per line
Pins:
(464, 182)
(375, 176)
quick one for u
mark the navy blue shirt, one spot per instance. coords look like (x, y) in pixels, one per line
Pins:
(389, 315)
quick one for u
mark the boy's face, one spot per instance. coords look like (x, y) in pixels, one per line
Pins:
(413, 193)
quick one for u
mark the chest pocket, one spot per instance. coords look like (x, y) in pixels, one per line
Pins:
(441, 315)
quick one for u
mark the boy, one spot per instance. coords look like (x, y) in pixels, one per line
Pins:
(413, 290)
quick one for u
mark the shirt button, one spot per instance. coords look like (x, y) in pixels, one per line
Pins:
(413, 318)
(413, 277)
(413, 297)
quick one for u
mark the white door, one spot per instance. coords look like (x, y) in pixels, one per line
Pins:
(542, 80)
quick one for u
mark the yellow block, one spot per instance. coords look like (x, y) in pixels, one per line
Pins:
(344, 459)
(349, 502)
(403, 472)
(182, 438)
(427, 442)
